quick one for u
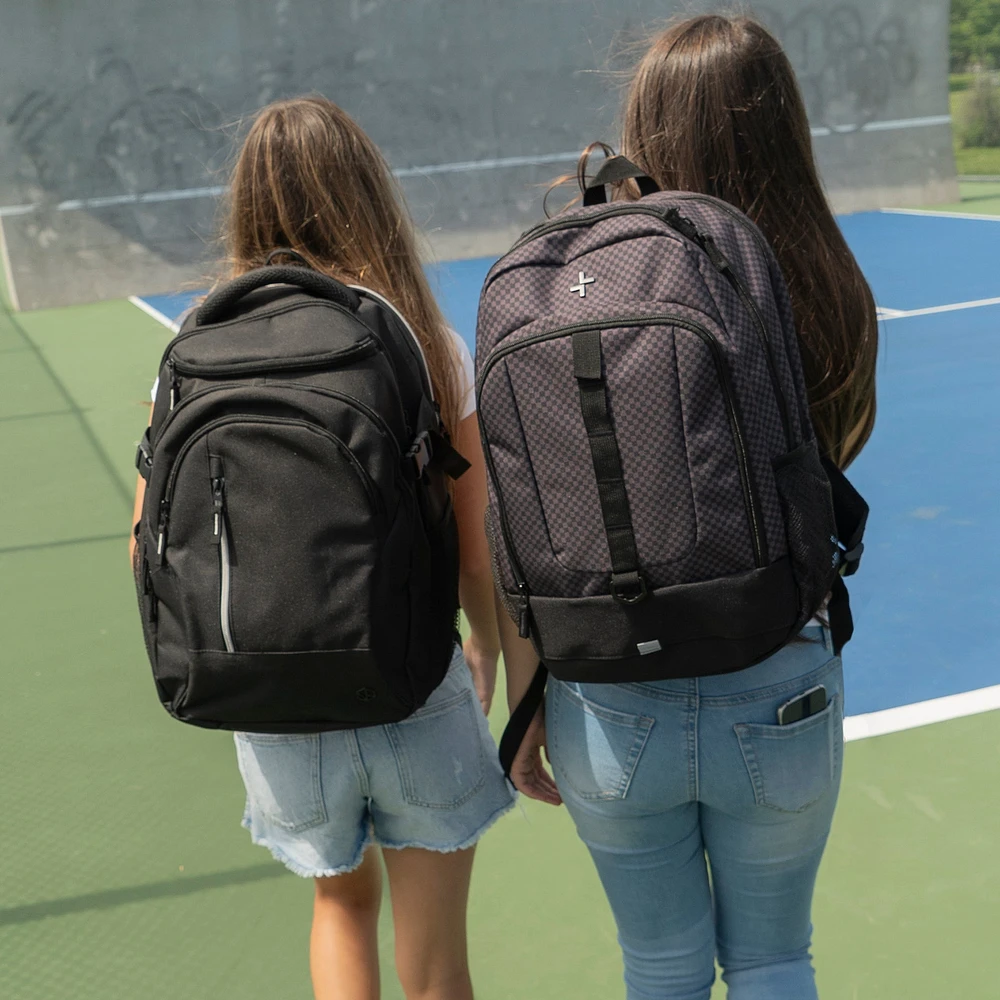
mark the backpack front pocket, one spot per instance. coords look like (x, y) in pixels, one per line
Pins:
(275, 528)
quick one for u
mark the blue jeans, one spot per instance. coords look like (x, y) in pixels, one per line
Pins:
(668, 780)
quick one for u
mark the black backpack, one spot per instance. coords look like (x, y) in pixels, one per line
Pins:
(658, 504)
(297, 558)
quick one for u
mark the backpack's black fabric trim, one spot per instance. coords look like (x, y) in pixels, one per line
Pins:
(711, 627)
(626, 583)
(285, 692)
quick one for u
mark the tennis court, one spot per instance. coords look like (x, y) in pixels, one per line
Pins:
(124, 868)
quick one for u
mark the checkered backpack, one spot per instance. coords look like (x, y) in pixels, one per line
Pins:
(658, 504)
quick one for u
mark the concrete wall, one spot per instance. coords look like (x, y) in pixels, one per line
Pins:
(116, 118)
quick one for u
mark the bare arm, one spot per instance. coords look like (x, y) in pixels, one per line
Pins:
(475, 584)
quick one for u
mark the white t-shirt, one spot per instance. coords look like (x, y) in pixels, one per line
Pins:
(467, 376)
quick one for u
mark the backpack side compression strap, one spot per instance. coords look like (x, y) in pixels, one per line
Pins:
(851, 514)
(520, 719)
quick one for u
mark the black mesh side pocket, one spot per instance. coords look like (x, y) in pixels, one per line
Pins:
(807, 504)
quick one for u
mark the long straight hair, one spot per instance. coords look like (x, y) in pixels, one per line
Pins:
(307, 177)
(714, 107)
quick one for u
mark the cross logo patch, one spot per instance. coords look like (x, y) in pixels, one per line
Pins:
(582, 287)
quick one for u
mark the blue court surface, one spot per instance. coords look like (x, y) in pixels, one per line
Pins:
(927, 601)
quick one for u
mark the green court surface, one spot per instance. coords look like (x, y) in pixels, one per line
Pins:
(978, 197)
(123, 867)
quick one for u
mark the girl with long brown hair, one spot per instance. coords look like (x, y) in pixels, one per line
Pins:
(669, 780)
(413, 797)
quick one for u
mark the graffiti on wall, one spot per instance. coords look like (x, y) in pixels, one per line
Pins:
(114, 134)
(848, 69)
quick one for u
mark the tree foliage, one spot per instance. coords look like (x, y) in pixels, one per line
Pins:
(975, 34)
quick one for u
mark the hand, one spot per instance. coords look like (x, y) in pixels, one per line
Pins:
(483, 664)
(528, 772)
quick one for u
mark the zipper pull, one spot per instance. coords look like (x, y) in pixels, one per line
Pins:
(174, 384)
(218, 508)
(218, 497)
(715, 255)
(161, 531)
(524, 616)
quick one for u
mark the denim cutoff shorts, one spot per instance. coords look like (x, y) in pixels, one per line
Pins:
(433, 781)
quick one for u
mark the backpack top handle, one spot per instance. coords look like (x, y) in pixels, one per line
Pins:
(613, 170)
(223, 300)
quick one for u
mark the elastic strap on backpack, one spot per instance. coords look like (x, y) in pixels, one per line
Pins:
(614, 170)
(627, 583)
(520, 719)
(850, 512)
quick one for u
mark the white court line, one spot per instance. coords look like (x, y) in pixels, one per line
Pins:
(155, 313)
(459, 167)
(933, 213)
(890, 314)
(921, 713)
(8, 271)
(886, 126)
(507, 161)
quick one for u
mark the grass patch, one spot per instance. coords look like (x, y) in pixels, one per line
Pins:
(982, 161)
(969, 160)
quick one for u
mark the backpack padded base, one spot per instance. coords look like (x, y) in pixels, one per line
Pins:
(688, 630)
(285, 692)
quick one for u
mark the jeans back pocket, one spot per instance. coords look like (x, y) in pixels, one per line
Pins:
(791, 767)
(594, 749)
(440, 752)
(282, 777)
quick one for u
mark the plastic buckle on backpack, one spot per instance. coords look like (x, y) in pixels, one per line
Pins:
(621, 583)
(850, 559)
(421, 452)
(144, 456)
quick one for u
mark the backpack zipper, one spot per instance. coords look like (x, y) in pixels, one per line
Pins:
(749, 302)
(168, 494)
(221, 537)
(344, 397)
(225, 591)
(617, 322)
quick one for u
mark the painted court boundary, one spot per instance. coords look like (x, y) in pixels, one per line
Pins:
(155, 313)
(921, 713)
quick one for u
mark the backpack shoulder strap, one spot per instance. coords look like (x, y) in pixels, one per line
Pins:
(431, 445)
